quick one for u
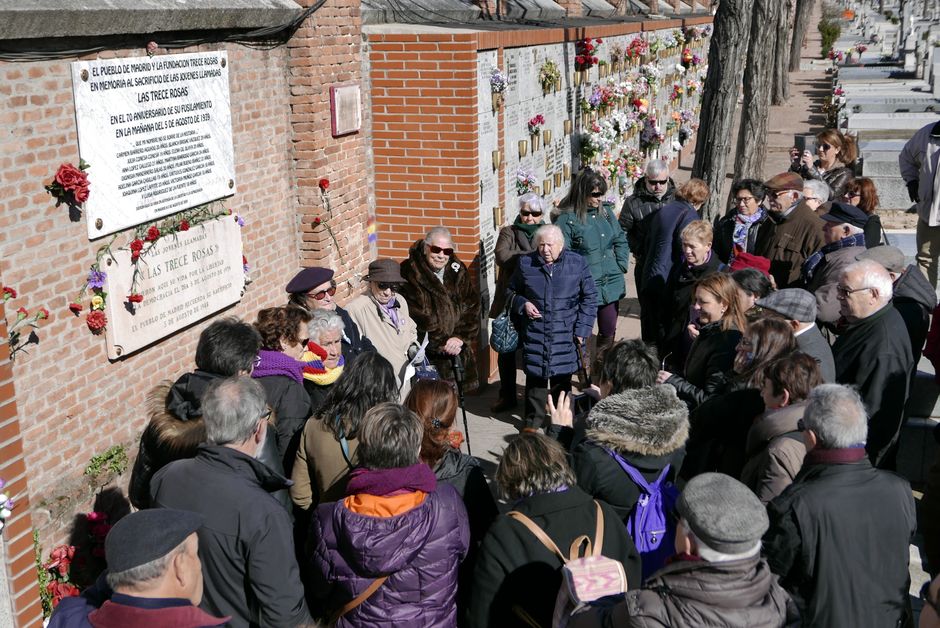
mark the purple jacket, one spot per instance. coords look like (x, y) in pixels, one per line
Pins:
(420, 550)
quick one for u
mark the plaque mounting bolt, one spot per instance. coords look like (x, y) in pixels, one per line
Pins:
(108, 261)
(231, 184)
(99, 224)
(223, 63)
(118, 349)
(84, 75)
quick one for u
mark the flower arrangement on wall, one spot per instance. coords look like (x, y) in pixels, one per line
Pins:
(498, 83)
(525, 181)
(549, 76)
(70, 185)
(637, 48)
(15, 332)
(586, 53)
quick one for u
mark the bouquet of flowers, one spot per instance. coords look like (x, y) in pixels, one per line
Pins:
(536, 123)
(549, 75)
(525, 181)
(585, 53)
(637, 47)
(651, 137)
(498, 81)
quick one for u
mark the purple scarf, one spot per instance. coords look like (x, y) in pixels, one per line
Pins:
(382, 482)
(846, 455)
(277, 363)
(742, 224)
(391, 310)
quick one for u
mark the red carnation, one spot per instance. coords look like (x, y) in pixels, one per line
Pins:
(599, 41)
(8, 293)
(75, 308)
(22, 313)
(152, 234)
(244, 260)
(316, 220)
(136, 247)
(324, 184)
(43, 313)
(134, 297)
(594, 60)
(96, 321)
(184, 225)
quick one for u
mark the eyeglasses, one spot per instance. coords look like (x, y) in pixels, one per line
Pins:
(852, 195)
(801, 425)
(319, 296)
(744, 199)
(657, 182)
(304, 341)
(523, 212)
(597, 194)
(266, 415)
(842, 291)
(812, 198)
(387, 286)
(437, 250)
(781, 193)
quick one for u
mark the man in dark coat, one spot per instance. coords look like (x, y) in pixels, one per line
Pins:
(844, 235)
(913, 298)
(313, 288)
(798, 232)
(839, 535)
(556, 298)
(154, 577)
(650, 193)
(799, 308)
(874, 354)
(718, 577)
(246, 543)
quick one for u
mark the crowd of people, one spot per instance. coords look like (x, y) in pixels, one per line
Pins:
(733, 466)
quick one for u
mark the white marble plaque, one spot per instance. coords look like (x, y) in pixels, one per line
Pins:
(183, 278)
(157, 132)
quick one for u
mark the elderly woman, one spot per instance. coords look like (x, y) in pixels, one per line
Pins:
(698, 260)
(746, 227)
(516, 575)
(313, 289)
(445, 303)
(279, 370)
(388, 554)
(513, 241)
(323, 356)
(555, 297)
(328, 446)
(591, 230)
(382, 315)
(832, 149)
(816, 193)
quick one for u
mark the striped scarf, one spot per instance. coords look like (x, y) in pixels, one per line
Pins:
(809, 266)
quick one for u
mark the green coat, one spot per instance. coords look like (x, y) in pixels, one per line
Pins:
(602, 243)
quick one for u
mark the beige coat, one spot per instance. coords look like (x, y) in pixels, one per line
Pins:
(320, 471)
(392, 344)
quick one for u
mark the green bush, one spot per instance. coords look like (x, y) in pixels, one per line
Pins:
(830, 31)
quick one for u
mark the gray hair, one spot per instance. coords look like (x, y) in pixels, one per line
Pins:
(231, 408)
(835, 412)
(324, 320)
(820, 189)
(874, 276)
(389, 437)
(713, 556)
(531, 199)
(546, 231)
(532, 464)
(438, 231)
(140, 575)
(656, 166)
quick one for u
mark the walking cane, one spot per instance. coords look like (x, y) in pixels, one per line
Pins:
(584, 372)
(457, 365)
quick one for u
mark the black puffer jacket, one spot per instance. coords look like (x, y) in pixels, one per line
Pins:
(915, 299)
(710, 359)
(636, 209)
(648, 427)
(675, 301)
(698, 594)
(758, 235)
(464, 473)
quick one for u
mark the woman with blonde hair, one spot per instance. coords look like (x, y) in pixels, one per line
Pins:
(718, 321)
(664, 247)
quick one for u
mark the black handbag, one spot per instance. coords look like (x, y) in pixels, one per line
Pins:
(504, 338)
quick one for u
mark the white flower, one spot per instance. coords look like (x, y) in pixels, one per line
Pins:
(5, 513)
(3, 498)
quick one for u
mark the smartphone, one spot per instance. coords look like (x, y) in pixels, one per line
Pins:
(804, 143)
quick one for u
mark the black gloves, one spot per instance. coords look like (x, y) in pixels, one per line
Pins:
(912, 190)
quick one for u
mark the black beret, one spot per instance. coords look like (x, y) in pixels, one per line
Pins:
(147, 535)
(308, 279)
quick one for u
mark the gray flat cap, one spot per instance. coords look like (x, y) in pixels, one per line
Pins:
(723, 513)
(794, 304)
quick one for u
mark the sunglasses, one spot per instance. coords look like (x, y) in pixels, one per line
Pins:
(319, 296)
(597, 194)
(852, 195)
(523, 212)
(437, 250)
(653, 182)
(387, 286)
(304, 342)
(825, 147)
(801, 426)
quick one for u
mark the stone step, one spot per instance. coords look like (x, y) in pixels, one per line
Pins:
(879, 168)
(890, 121)
(892, 193)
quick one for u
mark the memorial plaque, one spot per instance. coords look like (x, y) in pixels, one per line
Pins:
(183, 278)
(157, 133)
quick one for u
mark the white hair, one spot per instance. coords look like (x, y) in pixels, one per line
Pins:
(656, 166)
(324, 320)
(874, 276)
(712, 556)
(836, 414)
(820, 189)
(438, 231)
(531, 199)
(549, 231)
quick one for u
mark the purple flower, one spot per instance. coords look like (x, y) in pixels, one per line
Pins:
(240, 221)
(8, 504)
(2, 483)
(96, 279)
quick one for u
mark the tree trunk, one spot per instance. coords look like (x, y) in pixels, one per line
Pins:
(725, 66)
(758, 82)
(804, 9)
(781, 82)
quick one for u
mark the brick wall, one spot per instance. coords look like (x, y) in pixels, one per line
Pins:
(72, 402)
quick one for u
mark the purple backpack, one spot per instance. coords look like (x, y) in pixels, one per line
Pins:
(652, 529)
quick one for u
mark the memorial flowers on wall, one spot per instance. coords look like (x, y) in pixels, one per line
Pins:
(70, 185)
(6, 505)
(54, 575)
(24, 321)
(549, 76)
(637, 48)
(525, 181)
(323, 222)
(585, 51)
(498, 83)
(651, 137)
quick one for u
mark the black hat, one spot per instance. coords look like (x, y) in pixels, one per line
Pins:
(843, 213)
(147, 535)
(308, 279)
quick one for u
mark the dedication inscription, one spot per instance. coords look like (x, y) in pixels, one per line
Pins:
(157, 133)
(183, 278)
